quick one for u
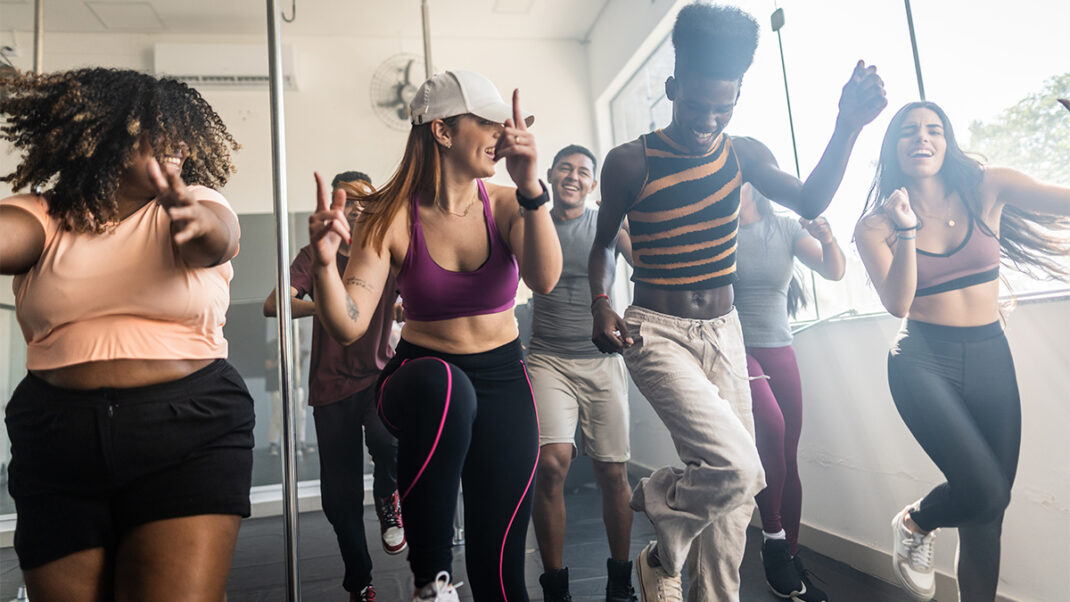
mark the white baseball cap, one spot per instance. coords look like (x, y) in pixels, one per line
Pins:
(459, 92)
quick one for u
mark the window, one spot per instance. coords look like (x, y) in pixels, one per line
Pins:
(972, 78)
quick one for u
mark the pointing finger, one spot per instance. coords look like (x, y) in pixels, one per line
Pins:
(339, 203)
(156, 176)
(518, 116)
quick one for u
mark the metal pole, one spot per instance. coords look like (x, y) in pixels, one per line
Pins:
(914, 48)
(282, 285)
(38, 36)
(778, 23)
(426, 19)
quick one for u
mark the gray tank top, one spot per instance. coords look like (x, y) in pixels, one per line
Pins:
(561, 321)
(765, 259)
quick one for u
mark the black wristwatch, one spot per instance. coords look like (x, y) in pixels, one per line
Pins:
(535, 203)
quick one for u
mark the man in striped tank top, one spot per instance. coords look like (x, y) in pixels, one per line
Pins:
(681, 339)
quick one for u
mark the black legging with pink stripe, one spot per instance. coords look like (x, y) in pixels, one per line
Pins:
(467, 418)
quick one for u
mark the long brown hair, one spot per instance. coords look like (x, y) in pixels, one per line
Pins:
(420, 171)
(1029, 241)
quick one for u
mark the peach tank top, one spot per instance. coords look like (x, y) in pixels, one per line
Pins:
(125, 294)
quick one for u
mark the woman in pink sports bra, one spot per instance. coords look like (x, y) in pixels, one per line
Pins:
(456, 394)
(931, 238)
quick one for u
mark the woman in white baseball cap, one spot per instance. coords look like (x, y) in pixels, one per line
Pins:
(456, 394)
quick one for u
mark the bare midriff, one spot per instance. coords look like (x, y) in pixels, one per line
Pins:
(120, 373)
(693, 305)
(975, 305)
(470, 334)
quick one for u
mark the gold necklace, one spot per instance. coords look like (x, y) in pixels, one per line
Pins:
(467, 208)
(948, 221)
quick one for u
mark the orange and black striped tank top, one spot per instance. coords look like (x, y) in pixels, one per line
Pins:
(685, 220)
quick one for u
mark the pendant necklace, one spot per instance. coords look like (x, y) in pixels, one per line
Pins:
(467, 208)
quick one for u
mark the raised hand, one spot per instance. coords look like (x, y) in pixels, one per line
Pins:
(517, 146)
(818, 228)
(863, 97)
(327, 227)
(189, 219)
(899, 209)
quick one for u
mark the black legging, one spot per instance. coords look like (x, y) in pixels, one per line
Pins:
(339, 429)
(470, 418)
(957, 393)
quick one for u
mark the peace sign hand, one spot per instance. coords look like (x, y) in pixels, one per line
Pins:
(327, 227)
(517, 146)
(863, 97)
(189, 219)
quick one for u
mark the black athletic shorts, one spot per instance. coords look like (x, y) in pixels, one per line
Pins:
(89, 466)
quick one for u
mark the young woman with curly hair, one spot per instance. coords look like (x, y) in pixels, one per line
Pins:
(131, 435)
(936, 225)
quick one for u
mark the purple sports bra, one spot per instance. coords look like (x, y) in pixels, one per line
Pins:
(431, 293)
(974, 261)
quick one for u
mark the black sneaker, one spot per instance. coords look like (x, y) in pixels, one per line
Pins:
(555, 586)
(780, 571)
(619, 586)
(813, 593)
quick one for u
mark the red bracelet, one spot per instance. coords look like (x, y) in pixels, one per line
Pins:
(597, 297)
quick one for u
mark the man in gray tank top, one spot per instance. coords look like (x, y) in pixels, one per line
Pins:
(575, 383)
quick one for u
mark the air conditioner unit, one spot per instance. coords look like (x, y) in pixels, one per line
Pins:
(222, 65)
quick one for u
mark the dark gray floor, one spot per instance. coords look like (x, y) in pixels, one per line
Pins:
(258, 572)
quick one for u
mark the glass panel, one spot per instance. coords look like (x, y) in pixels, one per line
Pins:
(1005, 109)
(12, 370)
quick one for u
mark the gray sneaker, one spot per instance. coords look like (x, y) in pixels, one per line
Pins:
(655, 583)
(912, 560)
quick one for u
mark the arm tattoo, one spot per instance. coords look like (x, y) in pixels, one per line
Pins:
(359, 282)
(351, 309)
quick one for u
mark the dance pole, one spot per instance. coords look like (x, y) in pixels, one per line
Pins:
(914, 48)
(425, 14)
(282, 304)
(39, 36)
(777, 20)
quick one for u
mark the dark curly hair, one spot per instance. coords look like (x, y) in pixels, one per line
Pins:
(714, 41)
(78, 131)
(1030, 242)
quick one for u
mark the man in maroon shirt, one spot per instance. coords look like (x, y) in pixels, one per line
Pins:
(341, 393)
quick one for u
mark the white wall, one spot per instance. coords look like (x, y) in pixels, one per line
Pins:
(626, 33)
(860, 465)
(330, 125)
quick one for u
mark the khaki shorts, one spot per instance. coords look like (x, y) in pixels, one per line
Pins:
(592, 392)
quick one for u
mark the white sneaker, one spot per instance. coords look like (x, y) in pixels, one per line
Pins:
(655, 583)
(439, 590)
(912, 560)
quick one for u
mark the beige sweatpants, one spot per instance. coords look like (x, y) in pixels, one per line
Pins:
(694, 374)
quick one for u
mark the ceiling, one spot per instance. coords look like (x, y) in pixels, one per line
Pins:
(527, 19)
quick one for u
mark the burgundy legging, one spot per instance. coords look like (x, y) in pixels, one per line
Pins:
(777, 403)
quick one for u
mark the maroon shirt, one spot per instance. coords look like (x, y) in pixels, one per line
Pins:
(336, 372)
